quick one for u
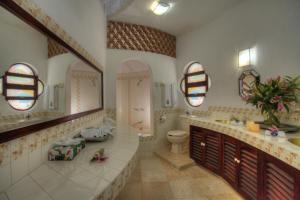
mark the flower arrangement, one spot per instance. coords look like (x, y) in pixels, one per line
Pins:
(274, 96)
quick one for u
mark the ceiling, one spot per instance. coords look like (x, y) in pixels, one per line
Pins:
(184, 15)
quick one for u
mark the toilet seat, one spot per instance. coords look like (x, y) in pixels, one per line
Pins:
(177, 133)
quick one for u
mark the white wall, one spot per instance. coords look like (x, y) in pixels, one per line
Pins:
(162, 67)
(21, 43)
(85, 21)
(57, 74)
(272, 26)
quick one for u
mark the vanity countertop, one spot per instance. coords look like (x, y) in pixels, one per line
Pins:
(279, 147)
(79, 179)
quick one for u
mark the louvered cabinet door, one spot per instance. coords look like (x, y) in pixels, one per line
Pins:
(280, 180)
(248, 171)
(213, 147)
(229, 166)
(197, 142)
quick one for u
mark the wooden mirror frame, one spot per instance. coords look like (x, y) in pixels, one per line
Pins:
(19, 12)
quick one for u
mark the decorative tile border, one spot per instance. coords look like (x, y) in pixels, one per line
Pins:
(9, 121)
(122, 35)
(31, 8)
(247, 113)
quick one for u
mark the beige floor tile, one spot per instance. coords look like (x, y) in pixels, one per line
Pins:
(135, 176)
(156, 191)
(186, 188)
(131, 191)
(152, 170)
(225, 196)
(155, 179)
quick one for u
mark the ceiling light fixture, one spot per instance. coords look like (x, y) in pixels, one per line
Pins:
(159, 8)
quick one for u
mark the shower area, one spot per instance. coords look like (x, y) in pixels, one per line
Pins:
(134, 102)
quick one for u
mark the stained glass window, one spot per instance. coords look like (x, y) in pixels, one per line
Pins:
(21, 105)
(21, 86)
(19, 80)
(21, 68)
(195, 84)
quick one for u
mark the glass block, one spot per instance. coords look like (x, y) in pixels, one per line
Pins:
(197, 78)
(197, 90)
(195, 67)
(20, 80)
(195, 101)
(40, 87)
(21, 68)
(21, 104)
(19, 93)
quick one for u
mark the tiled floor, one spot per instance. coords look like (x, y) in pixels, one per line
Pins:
(155, 179)
(179, 161)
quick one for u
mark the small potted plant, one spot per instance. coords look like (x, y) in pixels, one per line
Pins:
(274, 96)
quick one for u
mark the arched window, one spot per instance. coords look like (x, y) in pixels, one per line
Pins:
(21, 87)
(195, 84)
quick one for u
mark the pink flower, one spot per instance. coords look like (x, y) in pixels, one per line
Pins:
(274, 129)
(280, 107)
(276, 99)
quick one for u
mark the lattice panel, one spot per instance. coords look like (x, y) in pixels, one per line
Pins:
(55, 49)
(142, 38)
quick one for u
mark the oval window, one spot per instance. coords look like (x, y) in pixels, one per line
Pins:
(195, 84)
(21, 86)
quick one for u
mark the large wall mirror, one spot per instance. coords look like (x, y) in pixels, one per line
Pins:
(40, 79)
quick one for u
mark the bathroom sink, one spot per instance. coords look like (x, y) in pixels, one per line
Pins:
(295, 141)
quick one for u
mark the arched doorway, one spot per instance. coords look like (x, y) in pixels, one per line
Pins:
(134, 96)
(83, 88)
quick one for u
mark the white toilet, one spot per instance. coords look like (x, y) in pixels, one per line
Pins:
(177, 138)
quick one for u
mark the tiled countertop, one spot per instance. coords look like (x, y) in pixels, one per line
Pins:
(78, 179)
(278, 147)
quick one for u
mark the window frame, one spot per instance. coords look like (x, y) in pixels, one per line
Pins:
(6, 86)
(188, 85)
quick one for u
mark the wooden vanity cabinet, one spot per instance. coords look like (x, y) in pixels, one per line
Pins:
(197, 145)
(240, 167)
(213, 151)
(229, 160)
(248, 171)
(206, 148)
(280, 181)
(251, 172)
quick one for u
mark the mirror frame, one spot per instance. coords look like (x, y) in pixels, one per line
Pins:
(250, 72)
(19, 12)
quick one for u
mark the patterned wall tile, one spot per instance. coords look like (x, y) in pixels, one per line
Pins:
(122, 35)
(55, 49)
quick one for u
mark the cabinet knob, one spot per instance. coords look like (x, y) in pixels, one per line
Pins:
(237, 160)
(202, 144)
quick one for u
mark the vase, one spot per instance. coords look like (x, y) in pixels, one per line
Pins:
(270, 119)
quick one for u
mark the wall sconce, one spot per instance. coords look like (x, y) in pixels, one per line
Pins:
(245, 58)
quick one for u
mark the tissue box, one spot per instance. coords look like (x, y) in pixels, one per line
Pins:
(66, 149)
